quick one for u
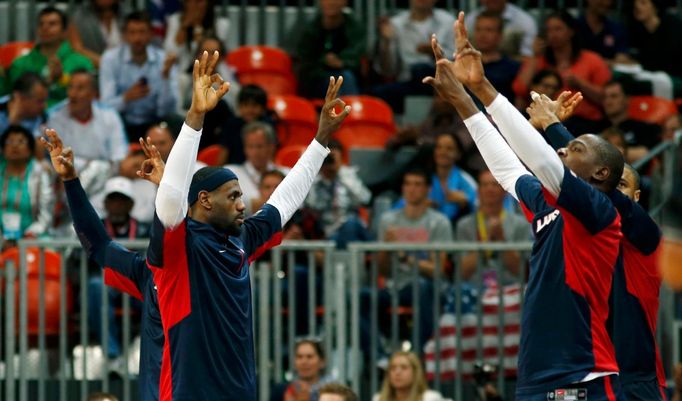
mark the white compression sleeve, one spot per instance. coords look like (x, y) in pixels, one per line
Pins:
(528, 144)
(291, 193)
(171, 197)
(499, 157)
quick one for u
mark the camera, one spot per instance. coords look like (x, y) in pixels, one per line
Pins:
(484, 372)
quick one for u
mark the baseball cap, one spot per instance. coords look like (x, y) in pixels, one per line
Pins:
(120, 185)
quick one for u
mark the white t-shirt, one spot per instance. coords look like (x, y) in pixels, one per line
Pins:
(429, 395)
(100, 138)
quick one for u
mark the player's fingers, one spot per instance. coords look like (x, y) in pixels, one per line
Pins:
(212, 62)
(223, 89)
(346, 111)
(46, 144)
(202, 63)
(195, 70)
(54, 137)
(217, 79)
(429, 80)
(435, 46)
(338, 85)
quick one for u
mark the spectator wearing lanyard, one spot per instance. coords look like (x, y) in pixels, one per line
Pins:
(491, 223)
(27, 198)
(118, 203)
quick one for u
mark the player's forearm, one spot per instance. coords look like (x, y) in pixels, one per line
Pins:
(89, 227)
(496, 153)
(291, 193)
(528, 145)
(171, 197)
(636, 224)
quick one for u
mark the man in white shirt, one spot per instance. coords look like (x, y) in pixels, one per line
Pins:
(520, 28)
(260, 143)
(92, 130)
(404, 50)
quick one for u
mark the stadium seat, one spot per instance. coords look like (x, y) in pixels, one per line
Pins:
(289, 155)
(11, 50)
(297, 123)
(210, 155)
(268, 67)
(369, 125)
(651, 109)
(51, 289)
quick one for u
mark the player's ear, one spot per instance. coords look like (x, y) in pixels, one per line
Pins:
(601, 174)
(637, 194)
(205, 200)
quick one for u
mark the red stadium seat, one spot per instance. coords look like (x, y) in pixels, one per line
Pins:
(289, 155)
(11, 50)
(268, 67)
(52, 262)
(651, 109)
(297, 123)
(210, 155)
(369, 125)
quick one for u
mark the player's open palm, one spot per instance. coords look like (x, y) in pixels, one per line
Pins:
(468, 63)
(61, 157)
(208, 88)
(152, 167)
(330, 119)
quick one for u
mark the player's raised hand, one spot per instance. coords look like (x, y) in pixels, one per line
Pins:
(563, 107)
(61, 157)
(330, 120)
(208, 89)
(567, 102)
(152, 167)
(468, 64)
(444, 81)
(542, 112)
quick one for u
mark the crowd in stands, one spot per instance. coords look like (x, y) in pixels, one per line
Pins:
(107, 76)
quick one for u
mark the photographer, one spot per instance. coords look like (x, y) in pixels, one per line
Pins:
(483, 375)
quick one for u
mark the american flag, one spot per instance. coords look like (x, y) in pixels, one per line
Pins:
(470, 336)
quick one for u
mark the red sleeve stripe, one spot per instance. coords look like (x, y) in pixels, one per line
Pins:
(116, 280)
(271, 243)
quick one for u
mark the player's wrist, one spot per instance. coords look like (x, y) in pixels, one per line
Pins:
(195, 119)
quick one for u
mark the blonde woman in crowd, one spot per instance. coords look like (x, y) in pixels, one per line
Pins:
(405, 380)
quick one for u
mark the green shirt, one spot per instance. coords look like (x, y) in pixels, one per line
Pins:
(17, 190)
(36, 62)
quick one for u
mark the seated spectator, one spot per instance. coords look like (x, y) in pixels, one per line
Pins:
(520, 28)
(52, 57)
(187, 28)
(118, 203)
(404, 53)
(333, 43)
(491, 223)
(654, 36)
(453, 190)
(602, 34)
(309, 364)
(27, 196)
(268, 182)
(581, 70)
(26, 104)
(214, 121)
(499, 68)
(337, 392)
(670, 126)
(415, 222)
(546, 82)
(405, 380)
(260, 143)
(252, 106)
(96, 27)
(137, 79)
(639, 136)
(93, 131)
(336, 196)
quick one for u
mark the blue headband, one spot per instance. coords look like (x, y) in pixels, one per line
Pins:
(209, 183)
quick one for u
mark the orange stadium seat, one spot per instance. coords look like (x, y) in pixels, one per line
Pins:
(11, 50)
(289, 155)
(51, 289)
(369, 125)
(297, 123)
(651, 109)
(210, 155)
(268, 67)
